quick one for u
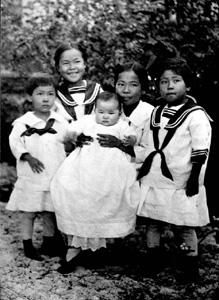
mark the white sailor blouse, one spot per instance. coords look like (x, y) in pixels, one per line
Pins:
(183, 140)
(44, 141)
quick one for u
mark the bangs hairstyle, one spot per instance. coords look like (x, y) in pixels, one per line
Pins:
(68, 46)
(180, 67)
(138, 69)
(40, 79)
(108, 96)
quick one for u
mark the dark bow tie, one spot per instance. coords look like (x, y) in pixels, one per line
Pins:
(48, 128)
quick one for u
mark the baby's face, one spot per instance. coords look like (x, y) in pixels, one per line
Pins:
(107, 112)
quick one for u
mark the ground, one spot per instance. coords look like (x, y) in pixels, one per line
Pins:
(115, 279)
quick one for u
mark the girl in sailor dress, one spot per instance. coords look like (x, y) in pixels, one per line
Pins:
(76, 95)
(95, 192)
(172, 175)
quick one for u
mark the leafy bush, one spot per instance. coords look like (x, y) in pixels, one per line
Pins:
(8, 177)
(146, 31)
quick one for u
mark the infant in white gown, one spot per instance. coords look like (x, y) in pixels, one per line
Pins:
(95, 192)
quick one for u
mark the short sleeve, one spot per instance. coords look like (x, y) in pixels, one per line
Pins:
(200, 129)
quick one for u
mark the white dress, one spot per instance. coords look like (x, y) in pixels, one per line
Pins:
(165, 199)
(32, 190)
(95, 192)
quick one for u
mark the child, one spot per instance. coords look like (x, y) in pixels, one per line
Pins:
(130, 85)
(172, 175)
(95, 191)
(36, 142)
(76, 95)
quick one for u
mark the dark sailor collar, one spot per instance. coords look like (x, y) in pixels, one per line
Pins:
(90, 89)
(178, 118)
(174, 122)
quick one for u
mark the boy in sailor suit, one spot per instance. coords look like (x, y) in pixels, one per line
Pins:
(37, 142)
(172, 175)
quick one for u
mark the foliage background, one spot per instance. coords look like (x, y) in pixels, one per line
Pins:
(144, 30)
(112, 31)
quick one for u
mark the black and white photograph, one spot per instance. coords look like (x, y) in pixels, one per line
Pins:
(109, 150)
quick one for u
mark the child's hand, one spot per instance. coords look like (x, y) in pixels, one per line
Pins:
(36, 165)
(83, 139)
(70, 137)
(69, 146)
(107, 140)
(129, 140)
(69, 142)
(192, 187)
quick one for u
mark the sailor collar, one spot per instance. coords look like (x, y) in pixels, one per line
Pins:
(91, 90)
(141, 113)
(31, 120)
(179, 116)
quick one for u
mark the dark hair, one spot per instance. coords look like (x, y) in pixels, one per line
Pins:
(68, 46)
(107, 96)
(136, 67)
(179, 66)
(39, 79)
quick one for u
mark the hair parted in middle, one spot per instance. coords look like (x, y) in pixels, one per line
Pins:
(68, 46)
(137, 68)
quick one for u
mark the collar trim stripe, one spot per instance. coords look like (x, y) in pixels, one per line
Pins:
(199, 156)
(88, 101)
(177, 122)
(65, 100)
(77, 89)
(182, 117)
(94, 94)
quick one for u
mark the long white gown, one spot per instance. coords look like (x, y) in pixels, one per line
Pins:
(95, 192)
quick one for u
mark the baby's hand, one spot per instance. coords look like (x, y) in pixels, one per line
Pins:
(129, 140)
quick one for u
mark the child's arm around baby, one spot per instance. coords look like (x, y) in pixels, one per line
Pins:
(105, 140)
(125, 145)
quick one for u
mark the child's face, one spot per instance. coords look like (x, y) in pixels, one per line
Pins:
(128, 87)
(172, 88)
(72, 66)
(43, 98)
(107, 113)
